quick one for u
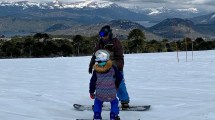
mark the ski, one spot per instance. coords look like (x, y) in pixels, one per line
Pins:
(89, 119)
(107, 108)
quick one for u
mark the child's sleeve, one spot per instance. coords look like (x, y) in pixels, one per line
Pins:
(118, 76)
(92, 85)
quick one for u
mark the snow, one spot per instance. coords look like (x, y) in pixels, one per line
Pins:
(89, 3)
(58, 4)
(155, 11)
(193, 10)
(46, 88)
(213, 16)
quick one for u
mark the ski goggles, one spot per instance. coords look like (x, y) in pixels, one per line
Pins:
(103, 33)
(100, 60)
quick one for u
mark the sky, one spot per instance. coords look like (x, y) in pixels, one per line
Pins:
(47, 88)
(201, 4)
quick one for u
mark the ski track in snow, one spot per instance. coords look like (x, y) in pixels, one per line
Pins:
(46, 88)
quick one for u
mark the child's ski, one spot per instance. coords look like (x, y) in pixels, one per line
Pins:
(107, 108)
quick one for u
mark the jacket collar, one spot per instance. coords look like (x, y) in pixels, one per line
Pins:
(104, 69)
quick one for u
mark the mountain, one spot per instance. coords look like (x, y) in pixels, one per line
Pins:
(204, 19)
(57, 27)
(30, 17)
(57, 4)
(86, 17)
(161, 13)
(85, 12)
(205, 23)
(120, 28)
(175, 28)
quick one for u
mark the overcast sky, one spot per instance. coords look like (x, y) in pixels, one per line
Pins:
(201, 4)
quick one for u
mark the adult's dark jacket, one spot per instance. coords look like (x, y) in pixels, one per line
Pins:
(115, 48)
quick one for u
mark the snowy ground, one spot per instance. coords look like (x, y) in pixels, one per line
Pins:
(46, 88)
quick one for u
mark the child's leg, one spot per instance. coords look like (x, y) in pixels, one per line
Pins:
(97, 108)
(114, 109)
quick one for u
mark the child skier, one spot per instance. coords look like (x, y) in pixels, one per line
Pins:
(104, 82)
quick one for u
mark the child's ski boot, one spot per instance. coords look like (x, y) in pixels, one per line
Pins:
(113, 116)
(97, 116)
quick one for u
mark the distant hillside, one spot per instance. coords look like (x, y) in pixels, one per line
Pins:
(179, 28)
(120, 28)
(205, 24)
(204, 19)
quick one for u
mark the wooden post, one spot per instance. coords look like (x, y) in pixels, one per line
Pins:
(186, 47)
(177, 50)
(192, 50)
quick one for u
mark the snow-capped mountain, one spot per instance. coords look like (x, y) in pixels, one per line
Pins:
(164, 12)
(23, 4)
(30, 17)
(159, 13)
(213, 16)
(192, 10)
(156, 11)
(90, 4)
(205, 19)
(60, 5)
(88, 9)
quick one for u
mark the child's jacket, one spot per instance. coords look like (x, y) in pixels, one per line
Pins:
(105, 83)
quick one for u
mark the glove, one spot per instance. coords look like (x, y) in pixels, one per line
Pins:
(90, 70)
(92, 95)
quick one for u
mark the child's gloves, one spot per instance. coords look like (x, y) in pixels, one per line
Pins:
(92, 95)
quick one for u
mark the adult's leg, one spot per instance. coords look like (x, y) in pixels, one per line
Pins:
(122, 93)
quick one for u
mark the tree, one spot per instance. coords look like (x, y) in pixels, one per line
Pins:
(89, 44)
(164, 42)
(199, 40)
(38, 49)
(198, 43)
(37, 36)
(136, 39)
(77, 43)
(50, 48)
(41, 35)
(65, 47)
(28, 45)
(10, 49)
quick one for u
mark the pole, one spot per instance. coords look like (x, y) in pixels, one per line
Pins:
(177, 50)
(192, 50)
(186, 48)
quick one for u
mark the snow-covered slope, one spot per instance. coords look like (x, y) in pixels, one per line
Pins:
(46, 88)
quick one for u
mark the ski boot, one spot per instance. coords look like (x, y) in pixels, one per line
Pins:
(113, 116)
(97, 116)
(124, 105)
